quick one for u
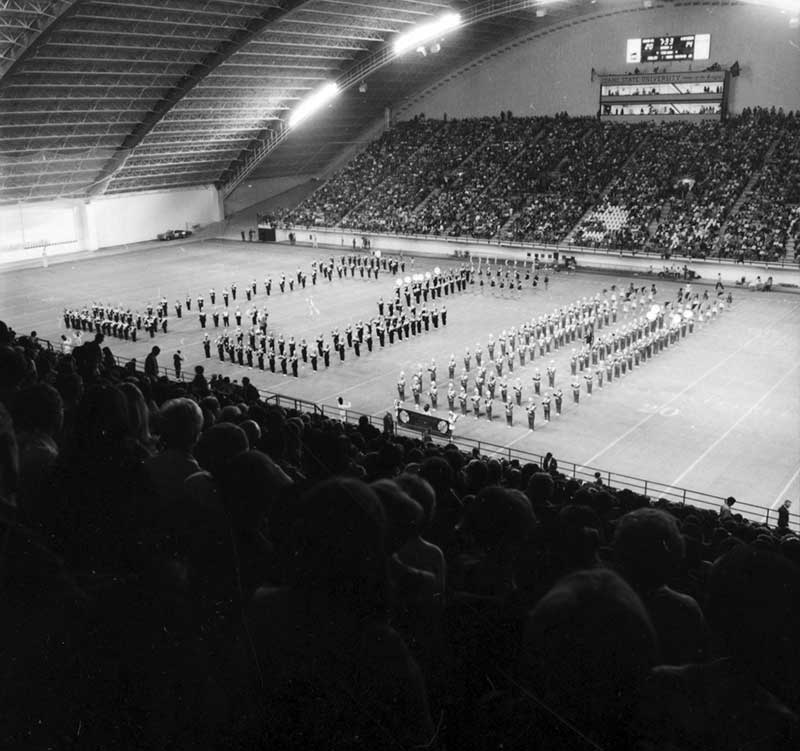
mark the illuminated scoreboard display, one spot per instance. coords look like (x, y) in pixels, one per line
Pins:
(669, 49)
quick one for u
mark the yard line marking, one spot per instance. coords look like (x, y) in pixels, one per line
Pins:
(508, 445)
(733, 427)
(782, 495)
(351, 388)
(589, 462)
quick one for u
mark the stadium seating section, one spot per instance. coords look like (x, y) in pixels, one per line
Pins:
(698, 189)
(186, 566)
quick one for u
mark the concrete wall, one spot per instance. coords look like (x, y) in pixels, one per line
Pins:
(338, 242)
(258, 190)
(550, 71)
(136, 217)
(26, 228)
(77, 225)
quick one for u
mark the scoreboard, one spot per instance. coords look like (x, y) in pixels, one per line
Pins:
(701, 94)
(669, 49)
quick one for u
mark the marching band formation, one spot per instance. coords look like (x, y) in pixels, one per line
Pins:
(601, 353)
(598, 355)
(405, 315)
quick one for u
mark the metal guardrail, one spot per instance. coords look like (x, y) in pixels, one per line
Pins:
(560, 247)
(584, 473)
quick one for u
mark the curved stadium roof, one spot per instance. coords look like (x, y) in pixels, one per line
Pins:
(111, 96)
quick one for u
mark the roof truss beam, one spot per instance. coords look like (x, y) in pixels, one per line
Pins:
(43, 16)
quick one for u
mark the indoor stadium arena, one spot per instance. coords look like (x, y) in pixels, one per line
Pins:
(344, 345)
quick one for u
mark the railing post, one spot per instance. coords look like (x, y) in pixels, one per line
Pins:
(684, 497)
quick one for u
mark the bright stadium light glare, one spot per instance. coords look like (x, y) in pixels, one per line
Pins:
(425, 32)
(313, 103)
(791, 7)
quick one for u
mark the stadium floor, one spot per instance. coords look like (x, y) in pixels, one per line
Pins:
(718, 414)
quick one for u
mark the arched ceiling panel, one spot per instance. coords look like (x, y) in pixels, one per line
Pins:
(124, 95)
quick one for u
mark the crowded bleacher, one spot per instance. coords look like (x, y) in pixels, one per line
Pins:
(186, 565)
(699, 189)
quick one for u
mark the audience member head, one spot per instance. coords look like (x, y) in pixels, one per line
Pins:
(210, 403)
(752, 608)
(138, 414)
(589, 645)
(38, 408)
(438, 473)
(180, 422)
(422, 492)
(218, 446)
(252, 430)
(475, 475)
(339, 545)
(499, 521)
(102, 422)
(404, 516)
(541, 490)
(580, 536)
(648, 547)
(230, 413)
(9, 456)
(251, 482)
(13, 370)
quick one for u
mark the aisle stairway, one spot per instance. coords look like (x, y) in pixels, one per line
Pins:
(592, 212)
(745, 194)
(435, 192)
(664, 214)
(539, 134)
(380, 183)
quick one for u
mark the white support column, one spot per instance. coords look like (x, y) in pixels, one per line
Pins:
(87, 232)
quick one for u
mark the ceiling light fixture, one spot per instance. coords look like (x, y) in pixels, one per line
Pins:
(314, 103)
(425, 32)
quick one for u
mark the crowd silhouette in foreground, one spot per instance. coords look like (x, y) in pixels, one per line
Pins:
(192, 568)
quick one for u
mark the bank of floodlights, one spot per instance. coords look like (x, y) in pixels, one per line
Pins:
(313, 103)
(426, 32)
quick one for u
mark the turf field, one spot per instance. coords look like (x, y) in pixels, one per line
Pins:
(718, 413)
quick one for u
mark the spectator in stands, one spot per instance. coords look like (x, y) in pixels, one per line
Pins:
(649, 551)
(38, 413)
(415, 604)
(744, 697)
(417, 551)
(179, 423)
(497, 524)
(725, 510)
(151, 362)
(249, 392)
(783, 514)
(98, 509)
(333, 670)
(588, 647)
(256, 494)
(9, 459)
(138, 417)
(199, 385)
